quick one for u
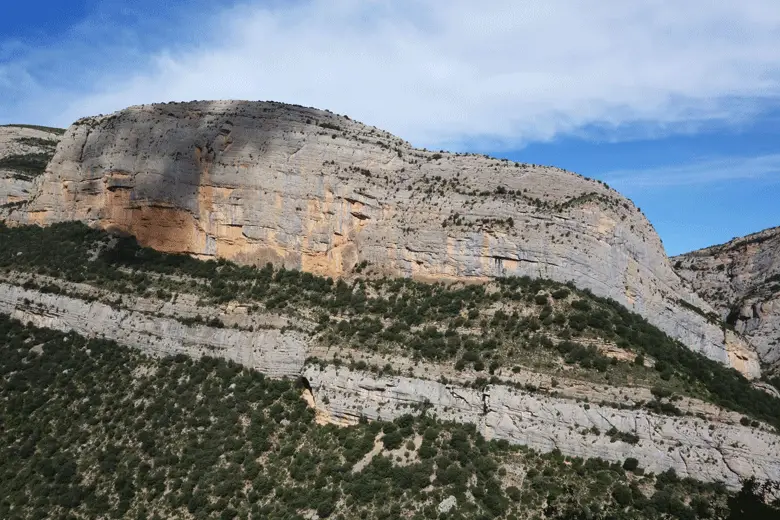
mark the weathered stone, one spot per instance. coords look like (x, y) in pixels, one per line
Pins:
(741, 280)
(257, 182)
(268, 350)
(717, 448)
(447, 504)
(693, 447)
(16, 188)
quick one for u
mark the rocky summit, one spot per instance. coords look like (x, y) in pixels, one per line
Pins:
(259, 182)
(741, 280)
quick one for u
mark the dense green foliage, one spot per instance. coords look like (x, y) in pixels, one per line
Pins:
(37, 141)
(90, 429)
(487, 328)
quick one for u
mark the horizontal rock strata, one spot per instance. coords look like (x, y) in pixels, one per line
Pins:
(257, 182)
(269, 351)
(693, 447)
(741, 281)
(706, 450)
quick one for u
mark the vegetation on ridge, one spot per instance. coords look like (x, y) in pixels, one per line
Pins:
(26, 165)
(58, 131)
(488, 329)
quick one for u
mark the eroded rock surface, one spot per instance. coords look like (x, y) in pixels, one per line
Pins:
(20, 148)
(741, 280)
(715, 448)
(693, 447)
(267, 350)
(257, 182)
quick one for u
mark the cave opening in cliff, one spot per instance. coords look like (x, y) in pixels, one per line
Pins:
(303, 384)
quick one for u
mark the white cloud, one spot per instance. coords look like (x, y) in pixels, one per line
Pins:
(727, 169)
(441, 73)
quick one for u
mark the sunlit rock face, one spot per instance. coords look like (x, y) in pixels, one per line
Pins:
(694, 447)
(741, 280)
(260, 182)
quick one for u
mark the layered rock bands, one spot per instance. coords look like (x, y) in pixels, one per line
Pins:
(263, 182)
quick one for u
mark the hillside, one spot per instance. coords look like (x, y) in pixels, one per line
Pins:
(741, 280)
(522, 398)
(302, 188)
(95, 430)
(24, 153)
(532, 362)
(257, 310)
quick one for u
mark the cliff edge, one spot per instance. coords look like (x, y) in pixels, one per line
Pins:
(741, 280)
(259, 182)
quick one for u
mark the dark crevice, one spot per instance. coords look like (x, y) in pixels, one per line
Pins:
(303, 383)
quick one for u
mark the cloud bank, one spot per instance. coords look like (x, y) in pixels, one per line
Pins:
(439, 74)
(764, 168)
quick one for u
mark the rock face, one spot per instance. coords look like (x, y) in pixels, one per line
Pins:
(20, 148)
(268, 351)
(717, 448)
(741, 280)
(690, 445)
(257, 182)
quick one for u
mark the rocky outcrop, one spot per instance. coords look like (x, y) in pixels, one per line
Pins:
(258, 182)
(693, 447)
(22, 147)
(157, 333)
(741, 280)
(716, 448)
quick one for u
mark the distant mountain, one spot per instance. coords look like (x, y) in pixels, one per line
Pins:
(25, 151)
(741, 280)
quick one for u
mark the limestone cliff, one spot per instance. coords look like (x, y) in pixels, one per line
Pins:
(692, 446)
(257, 182)
(24, 152)
(708, 444)
(741, 280)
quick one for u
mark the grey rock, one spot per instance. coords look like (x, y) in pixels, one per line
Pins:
(709, 451)
(741, 281)
(267, 350)
(16, 188)
(447, 504)
(257, 182)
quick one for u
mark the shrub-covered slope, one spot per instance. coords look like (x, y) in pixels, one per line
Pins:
(487, 331)
(91, 429)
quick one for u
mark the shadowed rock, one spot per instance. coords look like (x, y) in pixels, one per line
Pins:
(263, 182)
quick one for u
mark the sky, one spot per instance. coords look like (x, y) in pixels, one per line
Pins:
(675, 104)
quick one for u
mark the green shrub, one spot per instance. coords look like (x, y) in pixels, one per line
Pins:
(660, 392)
(622, 495)
(630, 464)
(28, 165)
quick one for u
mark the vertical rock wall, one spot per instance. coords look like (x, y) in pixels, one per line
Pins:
(257, 182)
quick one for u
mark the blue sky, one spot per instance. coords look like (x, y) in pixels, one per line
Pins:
(676, 104)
